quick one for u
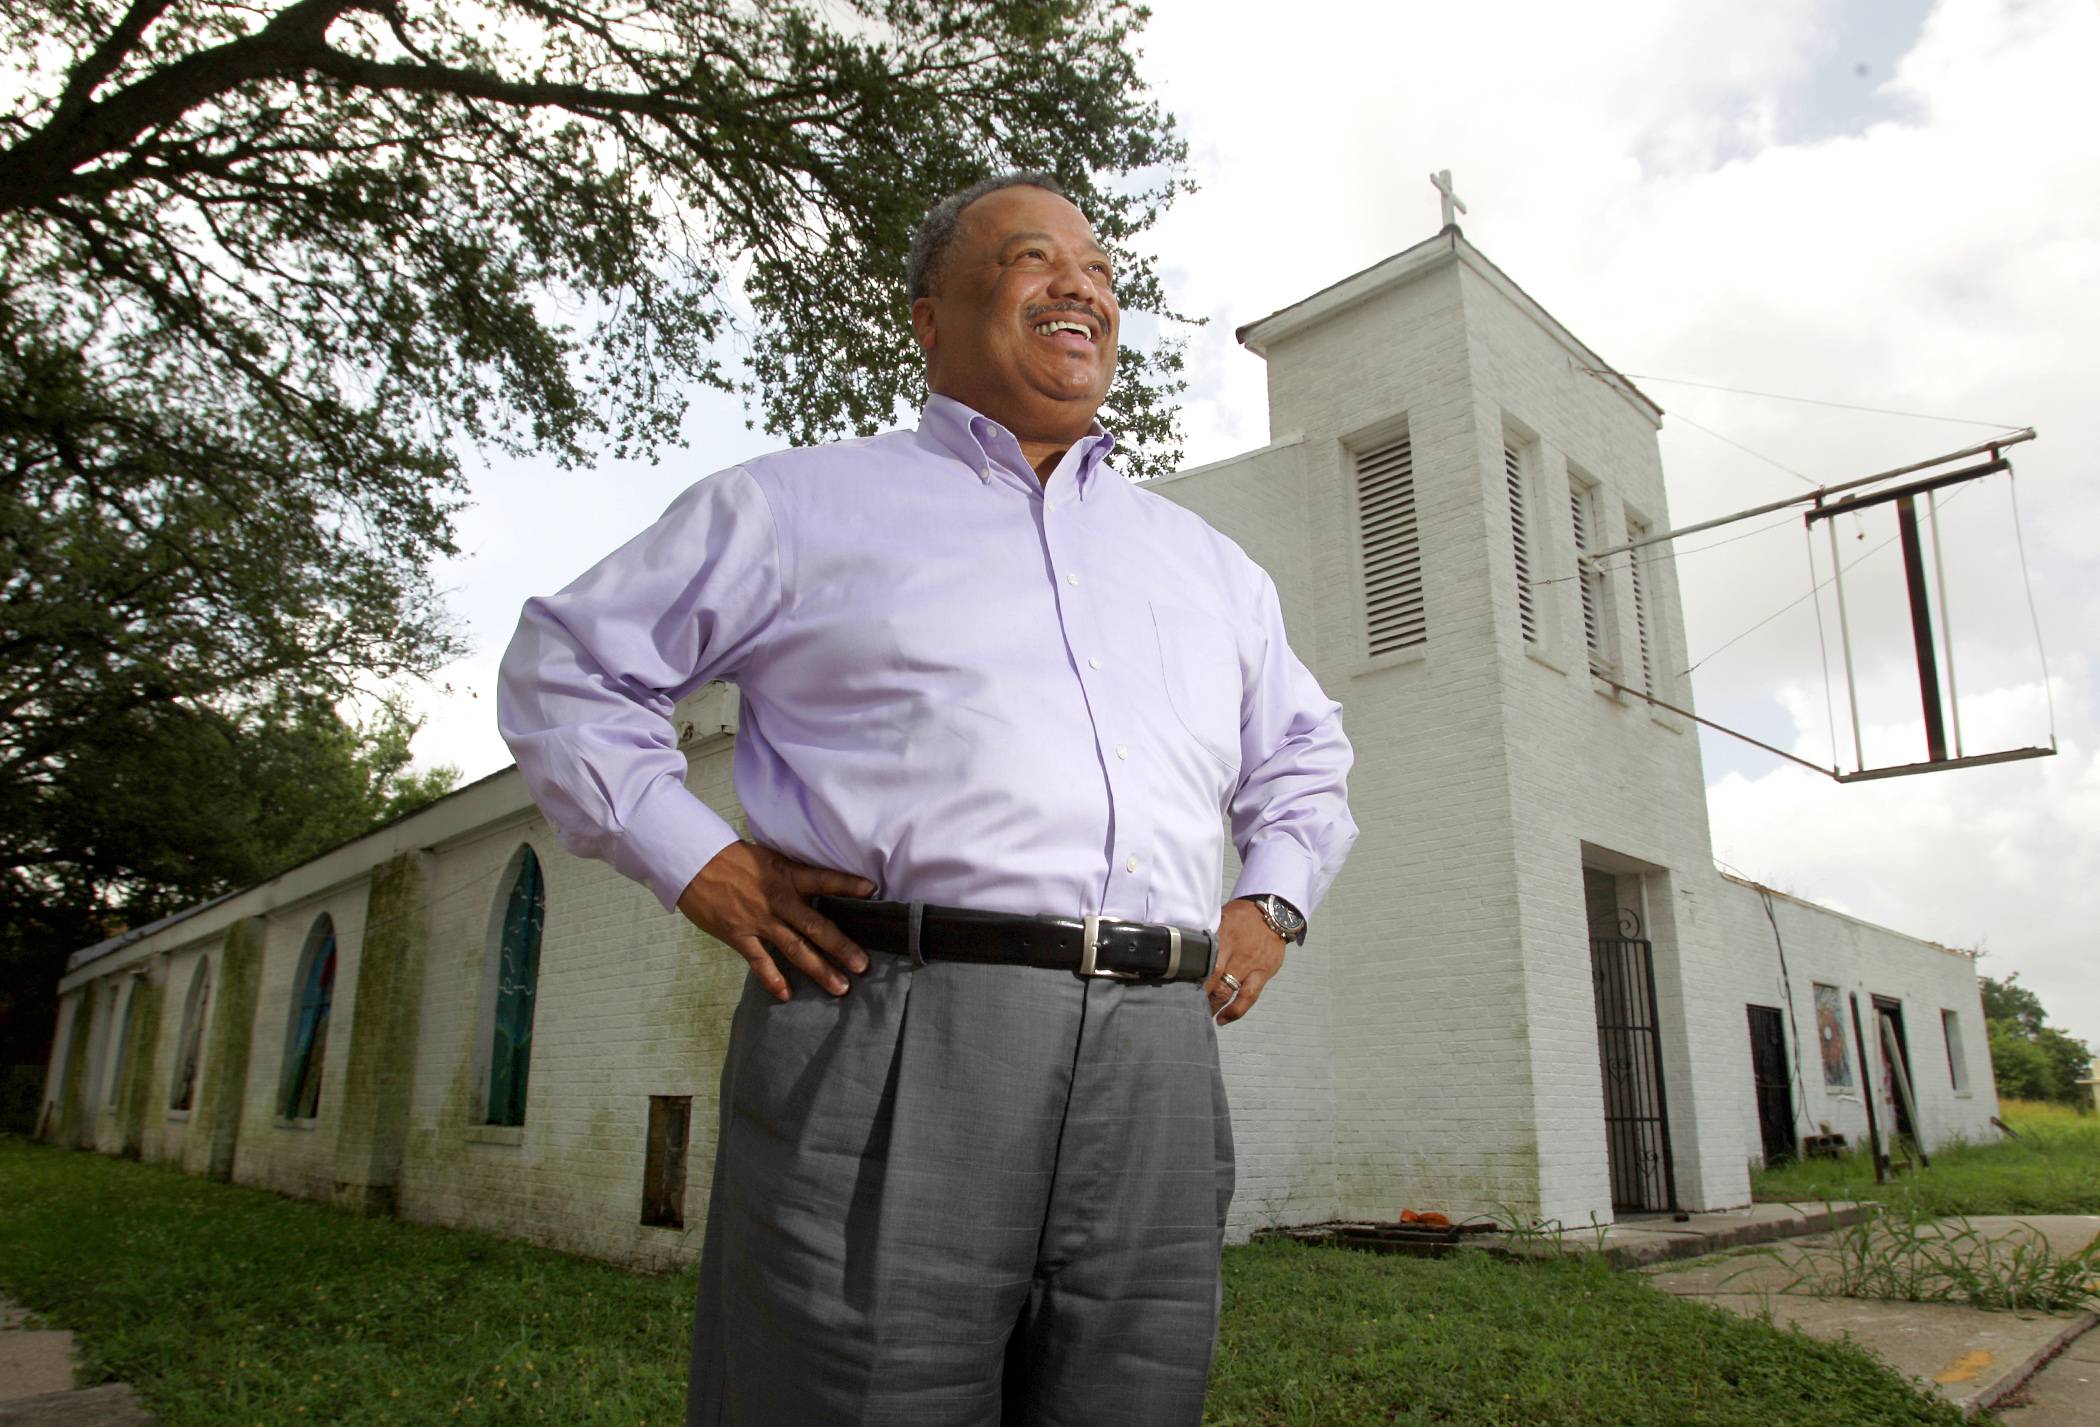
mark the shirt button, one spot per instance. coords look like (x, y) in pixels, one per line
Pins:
(1071, 579)
(1131, 865)
(1093, 663)
(1122, 750)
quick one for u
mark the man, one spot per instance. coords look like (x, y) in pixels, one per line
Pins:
(995, 700)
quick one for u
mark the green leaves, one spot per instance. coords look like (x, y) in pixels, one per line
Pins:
(265, 272)
(2031, 1059)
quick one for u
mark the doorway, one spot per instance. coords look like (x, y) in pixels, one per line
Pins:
(1889, 1012)
(1774, 1083)
(1629, 1053)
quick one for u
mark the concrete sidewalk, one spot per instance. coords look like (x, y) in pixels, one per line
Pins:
(36, 1381)
(1973, 1358)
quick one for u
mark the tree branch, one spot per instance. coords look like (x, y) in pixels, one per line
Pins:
(34, 171)
(87, 76)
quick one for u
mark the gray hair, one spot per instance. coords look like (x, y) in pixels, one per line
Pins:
(936, 232)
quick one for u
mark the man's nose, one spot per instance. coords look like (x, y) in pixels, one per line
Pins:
(1073, 278)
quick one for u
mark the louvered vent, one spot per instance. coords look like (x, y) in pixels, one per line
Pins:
(1385, 491)
(1635, 530)
(1586, 578)
(1527, 610)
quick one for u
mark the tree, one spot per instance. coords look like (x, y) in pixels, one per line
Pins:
(2031, 1059)
(267, 269)
(2019, 1066)
(2008, 1000)
(168, 808)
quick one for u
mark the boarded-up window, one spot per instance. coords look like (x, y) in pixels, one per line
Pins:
(1643, 636)
(517, 992)
(190, 1049)
(663, 1167)
(1392, 547)
(1513, 474)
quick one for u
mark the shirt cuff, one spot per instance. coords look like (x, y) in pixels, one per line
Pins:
(669, 837)
(1281, 867)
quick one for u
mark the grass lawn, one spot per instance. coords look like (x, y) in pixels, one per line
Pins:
(2053, 1168)
(228, 1306)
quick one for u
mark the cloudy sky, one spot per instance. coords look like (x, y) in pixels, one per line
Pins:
(1887, 203)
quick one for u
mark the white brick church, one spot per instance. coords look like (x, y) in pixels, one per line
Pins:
(1529, 990)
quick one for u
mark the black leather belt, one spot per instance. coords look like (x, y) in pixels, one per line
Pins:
(1090, 946)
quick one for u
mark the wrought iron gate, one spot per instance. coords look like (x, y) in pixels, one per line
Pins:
(1629, 1048)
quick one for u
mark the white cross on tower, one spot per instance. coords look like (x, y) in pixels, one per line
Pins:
(1442, 182)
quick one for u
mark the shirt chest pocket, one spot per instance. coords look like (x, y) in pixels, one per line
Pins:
(1200, 667)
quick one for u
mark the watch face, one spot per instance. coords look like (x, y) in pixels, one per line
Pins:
(1284, 914)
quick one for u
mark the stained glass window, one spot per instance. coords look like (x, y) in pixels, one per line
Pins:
(302, 1072)
(517, 987)
(191, 1047)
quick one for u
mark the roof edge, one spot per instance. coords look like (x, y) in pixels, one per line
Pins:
(1448, 246)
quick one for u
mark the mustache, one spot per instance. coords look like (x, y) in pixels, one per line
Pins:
(1035, 312)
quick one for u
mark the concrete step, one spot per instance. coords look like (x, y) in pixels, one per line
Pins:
(2065, 1393)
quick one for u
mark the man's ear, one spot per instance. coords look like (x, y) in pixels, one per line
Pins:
(922, 324)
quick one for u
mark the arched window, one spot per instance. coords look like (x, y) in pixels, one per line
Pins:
(127, 1010)
(307, 1046)
(189, 1050)
(96, 1028)
(516, 967)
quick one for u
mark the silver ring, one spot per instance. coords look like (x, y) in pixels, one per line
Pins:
(1231, 980)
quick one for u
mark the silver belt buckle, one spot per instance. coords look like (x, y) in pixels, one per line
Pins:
(1090, 947)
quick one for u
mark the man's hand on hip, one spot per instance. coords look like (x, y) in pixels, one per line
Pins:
(1249, 953)
(755, 901)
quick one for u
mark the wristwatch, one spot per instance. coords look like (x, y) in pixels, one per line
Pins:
(1284, 919)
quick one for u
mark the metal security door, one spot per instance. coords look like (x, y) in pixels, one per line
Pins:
(1629, 1049)
(1775, 1087)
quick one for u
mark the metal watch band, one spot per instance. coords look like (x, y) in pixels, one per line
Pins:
(1262, 903)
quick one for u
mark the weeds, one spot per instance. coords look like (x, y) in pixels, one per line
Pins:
(1917, 1258)
(1535, 1237)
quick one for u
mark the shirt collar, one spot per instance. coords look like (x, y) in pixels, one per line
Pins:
(980, 442)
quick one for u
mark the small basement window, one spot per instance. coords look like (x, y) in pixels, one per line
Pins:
(663, 1167)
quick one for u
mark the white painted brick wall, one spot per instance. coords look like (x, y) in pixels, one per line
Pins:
(298, 1156)
(632, 1002)
(1865, 960)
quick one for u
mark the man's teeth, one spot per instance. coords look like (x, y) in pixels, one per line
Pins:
(1049, 328)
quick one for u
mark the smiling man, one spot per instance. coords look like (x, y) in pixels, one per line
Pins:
(997, 704)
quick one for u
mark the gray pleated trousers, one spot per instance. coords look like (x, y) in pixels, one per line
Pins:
(964, 1196)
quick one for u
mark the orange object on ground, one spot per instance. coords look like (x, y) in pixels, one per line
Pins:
(1428, 1220)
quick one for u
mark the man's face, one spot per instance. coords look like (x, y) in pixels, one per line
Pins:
(1022, 322)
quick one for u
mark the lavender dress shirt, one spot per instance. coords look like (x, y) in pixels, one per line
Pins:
(972, 688)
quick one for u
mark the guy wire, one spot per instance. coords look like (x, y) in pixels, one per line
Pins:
(1823, 660)
(1652, 558)
(1814, 587)
(2012, 488)
(1807, 400)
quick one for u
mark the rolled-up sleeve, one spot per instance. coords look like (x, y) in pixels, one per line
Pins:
(1290, 813)
(586, 688)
